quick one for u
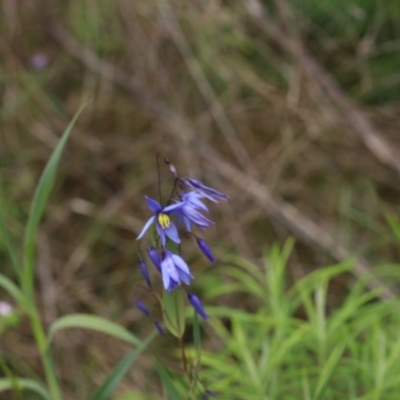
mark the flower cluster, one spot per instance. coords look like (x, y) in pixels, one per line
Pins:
(183, 211)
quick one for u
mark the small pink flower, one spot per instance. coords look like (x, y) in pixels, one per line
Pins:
(5, 308)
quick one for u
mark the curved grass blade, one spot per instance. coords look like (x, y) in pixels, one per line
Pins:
(172, 392)
(24, 384)
(13, 290)
(107, 388)
(94, 323)
(40, 198)
(327, 372)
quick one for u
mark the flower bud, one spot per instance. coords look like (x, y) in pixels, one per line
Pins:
(204, 247)
(141, 306)
(159, 328)
(144, 271)
(154, 257)
(196, 304)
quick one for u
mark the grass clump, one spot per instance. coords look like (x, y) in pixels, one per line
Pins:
(297, 344)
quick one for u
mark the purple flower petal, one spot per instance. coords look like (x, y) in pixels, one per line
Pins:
(188, 224)
(172, 207)
(182, 268)
(154, 205)
(184, 276)
(193, 199)
(161, 233)
(172, 233)
(206, 191)
(195, 216)
(146, 226)
(180, 263)
(168, 270)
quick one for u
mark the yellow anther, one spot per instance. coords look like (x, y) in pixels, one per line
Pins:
(163, 220)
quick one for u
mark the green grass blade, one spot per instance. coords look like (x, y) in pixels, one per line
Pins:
(172, 392)
(327, 371)
(40, 198)
(11, 250)
(94, 323)
(107, 388)
(24, 384)
(13, 291)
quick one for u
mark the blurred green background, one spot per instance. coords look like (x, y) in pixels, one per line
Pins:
(289, 107)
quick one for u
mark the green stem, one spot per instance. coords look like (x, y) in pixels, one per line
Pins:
(44, 350)
(184, 359)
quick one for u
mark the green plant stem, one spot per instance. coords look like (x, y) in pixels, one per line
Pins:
(42, 343)
(184, 359)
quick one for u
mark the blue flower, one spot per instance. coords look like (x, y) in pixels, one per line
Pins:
(189, 211)
(164, 225)
(174, 270)
(206, 191)
(196, 304)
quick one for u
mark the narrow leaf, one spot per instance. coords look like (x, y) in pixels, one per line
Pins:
(11, 250)
(13, 291)
(24, 384)
(174, 312)
(172, 392)
(327, 372)
(40, 198)
(107, 388)
(94, 323)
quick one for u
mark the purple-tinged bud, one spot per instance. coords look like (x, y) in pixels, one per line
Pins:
(159, 328)
(196, 304)
(205, 248)
(144, 271)
(39, 61)
(207, 394)
(141, 306)
(154, 257)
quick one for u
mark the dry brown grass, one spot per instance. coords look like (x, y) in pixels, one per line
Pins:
(232, 96)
